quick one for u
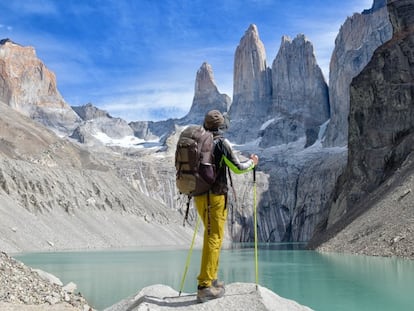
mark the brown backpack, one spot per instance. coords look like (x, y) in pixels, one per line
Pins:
(194, 161)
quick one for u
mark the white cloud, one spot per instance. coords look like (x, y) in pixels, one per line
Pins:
(149, 101)
(5, 27)
(39, 7)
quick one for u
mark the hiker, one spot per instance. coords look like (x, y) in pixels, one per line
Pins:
(211, 207)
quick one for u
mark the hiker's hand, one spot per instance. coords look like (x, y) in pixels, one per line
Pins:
(255, 159)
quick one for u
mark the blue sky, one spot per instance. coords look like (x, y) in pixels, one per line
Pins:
(138, 59)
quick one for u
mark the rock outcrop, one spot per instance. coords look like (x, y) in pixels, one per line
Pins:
(206, 96)
(381, 127)
(153, 130)
(29, 87)
(357, 40)
(89, 112)
(239, 296)
(300, 100)
(99, 127)
(252, 87)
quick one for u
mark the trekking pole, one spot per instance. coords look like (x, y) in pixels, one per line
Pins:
(187, 263)
(255, 228)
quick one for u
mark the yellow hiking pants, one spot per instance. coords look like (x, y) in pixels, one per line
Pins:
(214, 222)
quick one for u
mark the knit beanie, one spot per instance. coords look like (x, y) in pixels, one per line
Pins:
(213, 120)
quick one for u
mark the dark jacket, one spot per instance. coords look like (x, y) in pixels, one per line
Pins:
(224, 157)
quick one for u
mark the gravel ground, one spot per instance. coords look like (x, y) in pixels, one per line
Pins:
(386, 228)
(22, 288)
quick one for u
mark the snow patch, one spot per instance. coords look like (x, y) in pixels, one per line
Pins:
(266, 124)
(322, 130)
(125, 142)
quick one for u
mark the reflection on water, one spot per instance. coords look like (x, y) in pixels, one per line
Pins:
(320, 281)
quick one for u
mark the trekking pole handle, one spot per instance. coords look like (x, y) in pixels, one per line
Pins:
(255, 160)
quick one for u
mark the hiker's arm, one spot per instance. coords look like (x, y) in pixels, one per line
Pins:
(233, 162)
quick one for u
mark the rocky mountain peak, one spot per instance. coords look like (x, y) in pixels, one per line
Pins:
(27, 81)
(378, 4)
(205, 80)
(252, 32)
(206, 96)
(7, 40)
(30, 88)
(299, 94)
(90, 112)
(355, 44)
(295, 61)
(251, 85)
(99, 126)
(286, 40)
(250, 68)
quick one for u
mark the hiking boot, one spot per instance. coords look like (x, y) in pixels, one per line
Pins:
(208, 293)
(217, 283)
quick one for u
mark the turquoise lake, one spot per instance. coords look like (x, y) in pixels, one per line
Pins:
(319, 281)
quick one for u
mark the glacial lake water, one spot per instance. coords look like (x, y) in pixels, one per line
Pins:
(320, 281)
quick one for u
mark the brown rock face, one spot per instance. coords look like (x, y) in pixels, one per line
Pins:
(25, 81)
(381, 118)
(30, 88)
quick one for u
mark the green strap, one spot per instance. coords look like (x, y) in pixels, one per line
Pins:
(234, 168)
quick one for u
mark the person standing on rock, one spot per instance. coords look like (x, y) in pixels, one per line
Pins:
(211, 207)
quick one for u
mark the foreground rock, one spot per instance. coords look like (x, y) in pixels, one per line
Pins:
(239, 296)
(22, 288)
